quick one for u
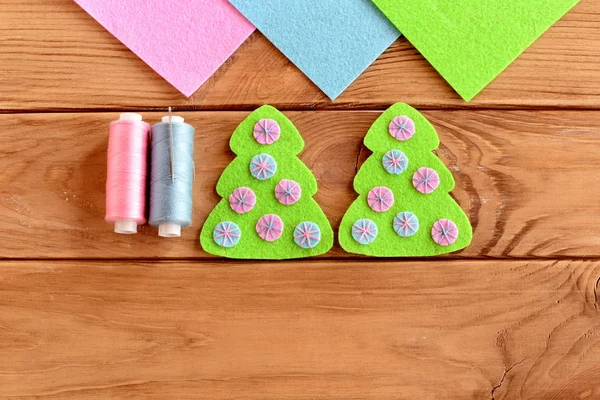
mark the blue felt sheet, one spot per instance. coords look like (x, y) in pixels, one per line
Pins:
(331, 41)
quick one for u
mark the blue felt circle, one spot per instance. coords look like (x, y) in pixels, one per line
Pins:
(263, 166)
(395, 162)
(227, 234)
(307, 235)
(406, 224)
(364, 231)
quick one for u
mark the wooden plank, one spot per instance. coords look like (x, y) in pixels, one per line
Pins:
(53, 56)
(528, 180)
(302, 330)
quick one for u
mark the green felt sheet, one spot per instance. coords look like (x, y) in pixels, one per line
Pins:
(237, 174)
(427, 207)
(470, 42)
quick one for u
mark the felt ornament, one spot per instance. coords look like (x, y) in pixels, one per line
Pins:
(404, 207)
(470, 42)
(184, 41)
(267, 209)
(331, 42)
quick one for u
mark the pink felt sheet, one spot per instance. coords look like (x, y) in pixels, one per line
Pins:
(185, 41)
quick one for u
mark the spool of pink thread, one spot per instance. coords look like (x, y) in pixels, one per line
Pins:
(126, 176)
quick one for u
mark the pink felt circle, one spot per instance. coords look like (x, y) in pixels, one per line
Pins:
(242, 200)
(402, 128)
(426, 180)
(444, 232)
(266, 131)
(380, 199)
(288, 192)
(269, 227)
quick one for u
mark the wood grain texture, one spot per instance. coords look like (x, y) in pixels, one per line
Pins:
(302, 330)
(528, 180)
(523, 328)
(53, 56)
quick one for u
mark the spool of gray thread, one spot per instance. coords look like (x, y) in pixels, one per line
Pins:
(171, 196)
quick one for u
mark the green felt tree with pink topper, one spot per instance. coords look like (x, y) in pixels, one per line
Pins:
(404, 207)
(267, 210)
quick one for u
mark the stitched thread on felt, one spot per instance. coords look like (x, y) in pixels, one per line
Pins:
(410, 213)
(281, 219)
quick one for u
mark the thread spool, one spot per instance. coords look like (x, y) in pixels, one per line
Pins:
(171, 178)
(126, 177)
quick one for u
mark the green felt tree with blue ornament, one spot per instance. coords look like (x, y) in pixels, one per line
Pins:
(267, 209)
(404, 207)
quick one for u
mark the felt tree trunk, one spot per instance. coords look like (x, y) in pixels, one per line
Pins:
(404, 207)
(267, 210)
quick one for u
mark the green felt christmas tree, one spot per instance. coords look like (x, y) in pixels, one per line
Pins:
(267, 210)
(404, 207)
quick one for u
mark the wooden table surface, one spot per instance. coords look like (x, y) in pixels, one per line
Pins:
(87, 314)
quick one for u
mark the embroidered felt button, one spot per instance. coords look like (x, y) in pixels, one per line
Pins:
(444, 232)
(307, 235)
(242, 200)
(406, 224)
(426, 180)
(263, 167)
(269, 227)
(364, 231)
(288, 192)
(402, 128)
(266, 131)
(227, 234)
(395, 162)
(380, 199)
